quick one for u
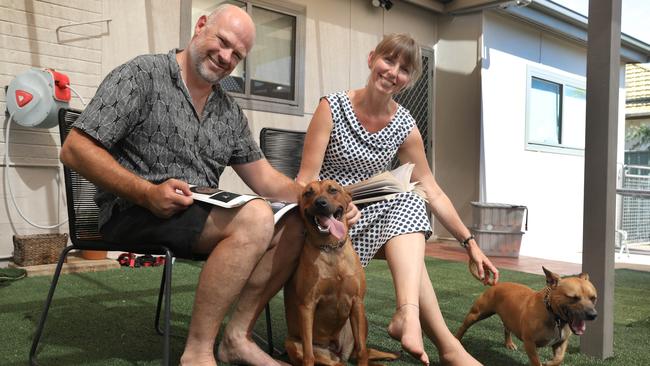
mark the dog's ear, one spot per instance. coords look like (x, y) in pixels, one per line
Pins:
(552, 279)
(584, 276)
(347, 196)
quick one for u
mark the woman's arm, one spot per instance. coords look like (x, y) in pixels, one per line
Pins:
(316, 140)
(412, 150)
(313, 152)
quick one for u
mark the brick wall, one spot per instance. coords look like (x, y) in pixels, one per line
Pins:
(28, 38)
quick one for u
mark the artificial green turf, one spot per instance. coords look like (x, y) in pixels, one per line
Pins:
(106, 318)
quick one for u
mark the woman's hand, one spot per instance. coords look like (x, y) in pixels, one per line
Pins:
(480, 266)
(353, 214)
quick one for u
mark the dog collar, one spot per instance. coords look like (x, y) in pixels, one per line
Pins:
(331, 248)
(556, 318)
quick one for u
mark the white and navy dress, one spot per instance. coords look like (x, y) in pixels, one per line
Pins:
(354, 154)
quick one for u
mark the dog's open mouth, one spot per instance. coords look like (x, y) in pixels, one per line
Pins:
(331, 224)
(578, 326)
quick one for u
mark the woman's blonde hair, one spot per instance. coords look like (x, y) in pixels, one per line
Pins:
(403, 47)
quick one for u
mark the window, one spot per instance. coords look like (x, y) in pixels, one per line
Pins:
(555, 120)
(271, 78)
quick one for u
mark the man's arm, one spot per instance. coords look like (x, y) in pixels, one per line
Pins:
(85, 155)
(266, 181)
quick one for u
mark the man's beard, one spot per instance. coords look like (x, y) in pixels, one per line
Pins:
(198, 62)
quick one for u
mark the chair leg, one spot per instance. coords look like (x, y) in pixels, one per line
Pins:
(168, 305)
(161, 294)
(48, 302)
(269, 330)
(166, 292)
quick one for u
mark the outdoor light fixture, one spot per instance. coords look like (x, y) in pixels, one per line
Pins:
(386, 4)
(492, 5)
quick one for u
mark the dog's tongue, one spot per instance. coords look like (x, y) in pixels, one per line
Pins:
(335, 226)
(578, 327)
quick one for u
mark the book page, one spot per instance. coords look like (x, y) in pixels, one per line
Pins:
(385, 185)
(220, 197)
(403, 175)
(384, 180)
(227, 199)
(280, 208)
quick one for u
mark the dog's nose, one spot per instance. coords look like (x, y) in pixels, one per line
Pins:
(592, 314)
(320, 202)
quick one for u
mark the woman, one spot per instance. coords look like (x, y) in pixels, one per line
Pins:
(355, 134)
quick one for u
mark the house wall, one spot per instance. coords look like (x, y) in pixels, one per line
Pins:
(28, 39)
(551, 185)
(637, 94)
(458, 112)
(339, 36)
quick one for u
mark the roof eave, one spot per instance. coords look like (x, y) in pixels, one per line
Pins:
(569, 24)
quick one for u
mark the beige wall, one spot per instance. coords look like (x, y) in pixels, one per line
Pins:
(339, 36)
(458, 112)
(139, 27)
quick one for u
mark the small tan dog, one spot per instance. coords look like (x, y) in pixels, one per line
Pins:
(543, 318)
(327, 289)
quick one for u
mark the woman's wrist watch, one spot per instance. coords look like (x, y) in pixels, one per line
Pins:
(465, 243)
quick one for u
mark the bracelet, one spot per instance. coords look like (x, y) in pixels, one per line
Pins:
(465, 243)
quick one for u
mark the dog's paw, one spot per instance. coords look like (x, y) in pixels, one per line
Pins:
(511, 345)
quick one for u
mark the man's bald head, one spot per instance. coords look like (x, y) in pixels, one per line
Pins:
(238, 19)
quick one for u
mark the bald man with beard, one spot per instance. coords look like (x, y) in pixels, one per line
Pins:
(159, 123)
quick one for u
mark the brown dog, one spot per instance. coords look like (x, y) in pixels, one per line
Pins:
(328, 286)
(540, 318)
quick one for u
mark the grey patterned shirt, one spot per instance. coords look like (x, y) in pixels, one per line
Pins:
(143, 115)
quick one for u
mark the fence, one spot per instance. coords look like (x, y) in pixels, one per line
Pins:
(635, 212)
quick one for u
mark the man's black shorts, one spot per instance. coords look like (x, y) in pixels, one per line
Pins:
(179, 233)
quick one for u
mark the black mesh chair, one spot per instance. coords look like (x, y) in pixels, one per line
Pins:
(283, 149)
(83, 215)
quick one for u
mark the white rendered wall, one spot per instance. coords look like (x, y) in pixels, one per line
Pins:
(549, 184)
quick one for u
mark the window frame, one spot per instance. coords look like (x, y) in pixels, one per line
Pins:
(268, 104)
(563, 79)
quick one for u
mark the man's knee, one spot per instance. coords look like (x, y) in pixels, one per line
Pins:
(254, 224)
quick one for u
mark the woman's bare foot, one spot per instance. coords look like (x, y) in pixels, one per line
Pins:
(405, 327)
(197, 359)
(458, 356)
(240, 349)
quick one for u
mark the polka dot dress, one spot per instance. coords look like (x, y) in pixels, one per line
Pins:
(354, 154)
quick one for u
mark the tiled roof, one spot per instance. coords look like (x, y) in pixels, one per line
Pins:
(637, 83)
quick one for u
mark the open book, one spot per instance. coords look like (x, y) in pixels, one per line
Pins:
(227, 199)
(385, 185)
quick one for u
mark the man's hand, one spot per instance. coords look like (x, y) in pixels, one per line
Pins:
(168, 198)
(353, 214)
(480, 266)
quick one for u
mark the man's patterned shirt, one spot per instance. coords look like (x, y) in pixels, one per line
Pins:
(143, 115)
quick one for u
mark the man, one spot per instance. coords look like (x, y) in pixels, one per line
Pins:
(160, 122)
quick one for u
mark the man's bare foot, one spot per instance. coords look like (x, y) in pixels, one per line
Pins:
(458, 356)
(405, 327)
(242, 350)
